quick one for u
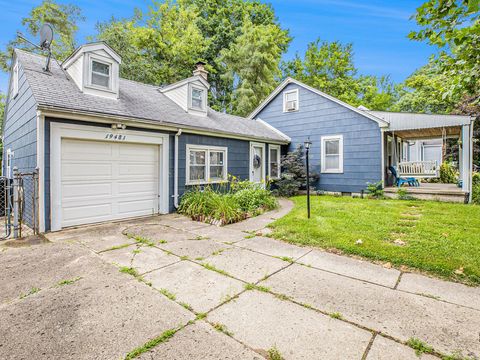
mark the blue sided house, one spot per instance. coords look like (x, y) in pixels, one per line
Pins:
(107, 148)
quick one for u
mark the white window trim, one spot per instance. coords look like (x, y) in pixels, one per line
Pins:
(101, 60)
(340, 160)
(294, 91)
(276, 147)
(207, 150)
(190, 97)
(15, 80)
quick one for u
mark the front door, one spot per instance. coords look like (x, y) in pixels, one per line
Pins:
(257, 161)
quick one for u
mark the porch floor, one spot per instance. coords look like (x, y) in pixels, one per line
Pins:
(429, 191)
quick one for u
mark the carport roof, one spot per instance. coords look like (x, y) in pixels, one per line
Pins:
(138, 101)
(411, 121)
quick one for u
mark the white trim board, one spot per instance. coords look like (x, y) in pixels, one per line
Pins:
(61, 130)
(379, 121)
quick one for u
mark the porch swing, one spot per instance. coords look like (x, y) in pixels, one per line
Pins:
(423, 169)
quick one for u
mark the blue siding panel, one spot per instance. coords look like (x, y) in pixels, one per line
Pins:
(317, 117)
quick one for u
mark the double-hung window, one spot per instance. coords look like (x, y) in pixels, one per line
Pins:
(206, 164)
(100, 74)
(274, 162)
(332, 154)
(197, 98)
(290, 100)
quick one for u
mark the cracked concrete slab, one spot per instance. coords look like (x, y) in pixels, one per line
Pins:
(200, 341)
(446, 327)
(386, 349)
(246, 265)
(445, 290)
(358, 269)
(195, 249)
(105, 314)
(220, 234)
(262, 321)
(273, 247)
(158, 233)
(194, 285)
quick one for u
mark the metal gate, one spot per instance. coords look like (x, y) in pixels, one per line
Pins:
(19, 205)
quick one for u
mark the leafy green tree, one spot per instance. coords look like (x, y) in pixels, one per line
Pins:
(253, 63)
(454, 28)
(329, 67)
(64, 19)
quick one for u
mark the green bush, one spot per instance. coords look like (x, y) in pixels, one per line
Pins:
(448, 174)
(476, 188)
(375, 190)
(226, 203)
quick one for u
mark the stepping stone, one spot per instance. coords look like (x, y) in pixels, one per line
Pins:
(246, 265)
(200, 341)
(194, 285)
(386, 349)
(445, 290)
(358, 269)
(262, 321)
(273, 247)
(444, 326)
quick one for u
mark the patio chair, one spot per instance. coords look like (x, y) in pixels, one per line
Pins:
(399, 181)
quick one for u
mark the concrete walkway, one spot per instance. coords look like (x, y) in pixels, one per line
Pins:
(203, 292)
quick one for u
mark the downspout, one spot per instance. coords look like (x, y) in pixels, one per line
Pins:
(175, 170)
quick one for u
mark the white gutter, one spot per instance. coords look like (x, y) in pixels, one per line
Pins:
(175, 170)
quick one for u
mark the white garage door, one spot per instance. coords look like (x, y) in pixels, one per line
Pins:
(105, 180)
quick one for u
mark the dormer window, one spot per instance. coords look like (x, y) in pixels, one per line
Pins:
(290, 100)
(197, 98)
(101, 73)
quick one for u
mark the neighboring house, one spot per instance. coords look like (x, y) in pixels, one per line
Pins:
(108, 148)
(355, 146)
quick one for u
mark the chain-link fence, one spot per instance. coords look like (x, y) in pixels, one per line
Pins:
(19, 205)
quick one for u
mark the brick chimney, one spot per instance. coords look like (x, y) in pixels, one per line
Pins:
(200, 70)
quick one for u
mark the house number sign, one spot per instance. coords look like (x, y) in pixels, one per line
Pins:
(118, 137)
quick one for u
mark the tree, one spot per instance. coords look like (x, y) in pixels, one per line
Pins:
(454, 28)
(160, 46)
(329, 67)
(252, 62)
(64, 19)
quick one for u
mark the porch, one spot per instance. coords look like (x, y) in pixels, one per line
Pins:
(431, 191)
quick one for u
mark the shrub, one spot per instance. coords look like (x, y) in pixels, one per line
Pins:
(294, 174)
(476, 188)
(229, 202)
(375, 190)
(448, 174)
(402, 194)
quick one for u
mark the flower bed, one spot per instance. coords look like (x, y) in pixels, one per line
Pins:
(227, 203)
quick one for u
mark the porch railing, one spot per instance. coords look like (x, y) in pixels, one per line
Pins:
(423, 169)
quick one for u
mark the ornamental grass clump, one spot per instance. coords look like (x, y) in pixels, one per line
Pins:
(228, 202)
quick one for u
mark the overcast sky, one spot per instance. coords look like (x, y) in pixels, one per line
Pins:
(378, 29)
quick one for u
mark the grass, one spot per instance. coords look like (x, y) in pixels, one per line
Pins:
(419, 346)
(250, 286)
(222, 328)
(68, 281)
(213, 268)
(151, 344)
(118, 247)
(129, 271)
(439, 238)
(32, 291)
(336, 315)
(168, 294)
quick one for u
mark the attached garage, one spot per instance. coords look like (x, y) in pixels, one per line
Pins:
(100, 174)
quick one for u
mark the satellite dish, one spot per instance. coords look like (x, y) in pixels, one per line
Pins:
(46, 36)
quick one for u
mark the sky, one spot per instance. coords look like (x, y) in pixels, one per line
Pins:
(378, 29)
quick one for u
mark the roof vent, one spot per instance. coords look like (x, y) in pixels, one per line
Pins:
(200, 70)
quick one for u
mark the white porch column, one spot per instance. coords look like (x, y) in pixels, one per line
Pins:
(466, 165)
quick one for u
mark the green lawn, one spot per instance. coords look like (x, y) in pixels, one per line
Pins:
(439, 237)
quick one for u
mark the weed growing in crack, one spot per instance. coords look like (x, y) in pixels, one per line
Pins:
(151, 344)
(129, 271)
(286, 258)
(419, 346)
(222, 328)
(145, 241)
(136, 251)
(213, 268)
(201, 316)
(282, 297)
(274, 354)
(184, 257)
(186, 306)
(199, 258)
(168, 294)
(218, 252)
(118, 247)
(32, 291)
(162, 241)
(336, 315)
(68, 281)
(256, 287)
(250, 236)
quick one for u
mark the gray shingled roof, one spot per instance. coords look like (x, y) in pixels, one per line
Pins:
(136, 101)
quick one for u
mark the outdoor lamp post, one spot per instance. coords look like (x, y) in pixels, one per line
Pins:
(307, 145)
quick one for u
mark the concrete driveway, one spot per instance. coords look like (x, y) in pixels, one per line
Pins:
(169, 288)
